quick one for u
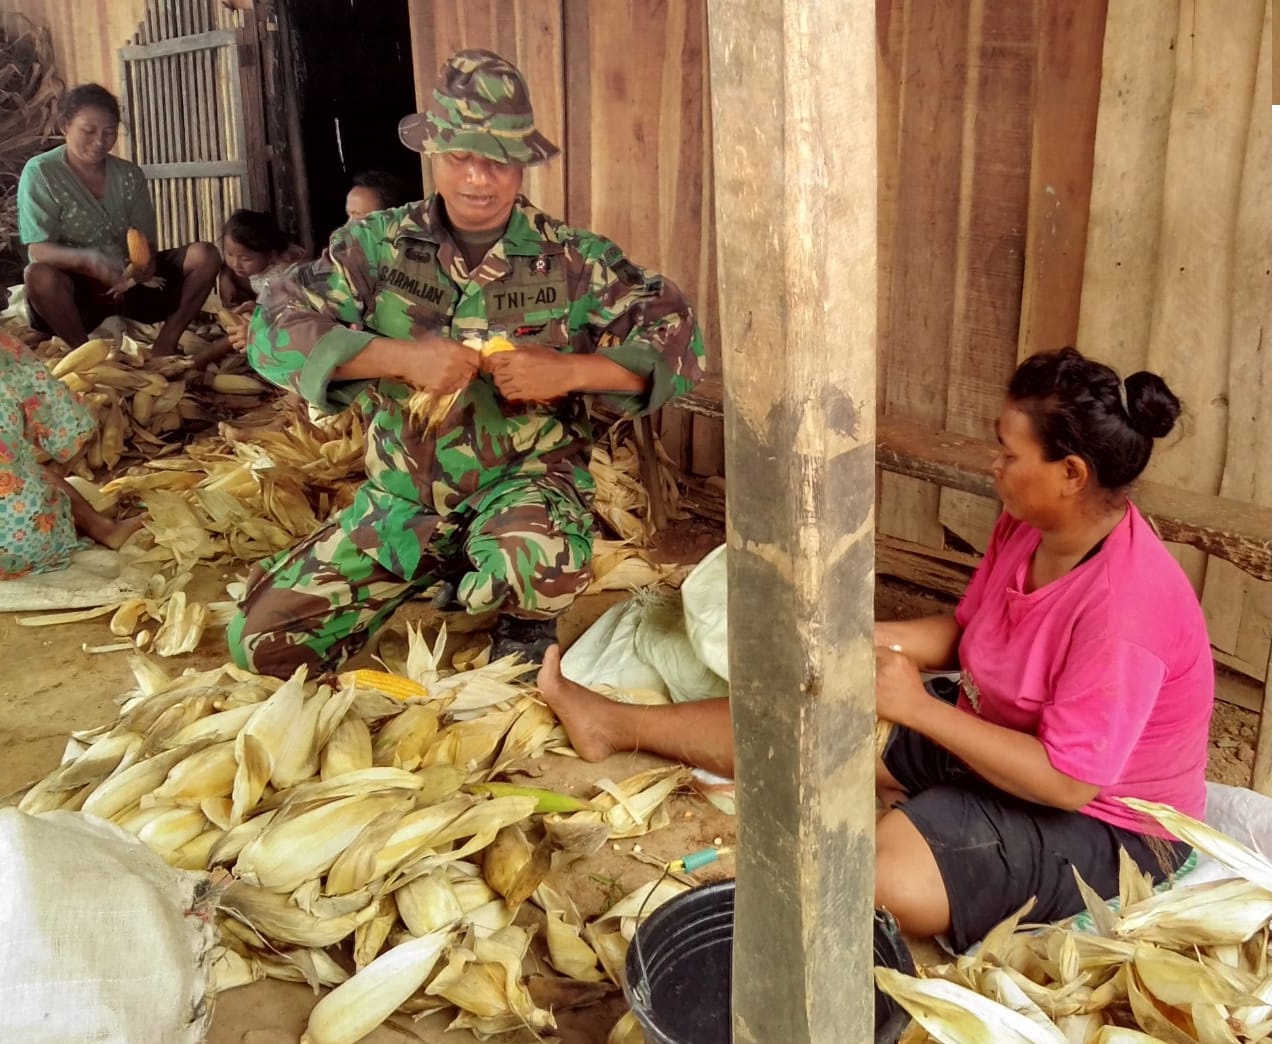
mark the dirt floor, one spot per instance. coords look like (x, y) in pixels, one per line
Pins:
(53, 686)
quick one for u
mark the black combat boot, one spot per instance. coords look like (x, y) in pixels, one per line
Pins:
(529, 638)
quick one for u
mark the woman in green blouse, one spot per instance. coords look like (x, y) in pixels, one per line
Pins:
(76, 204)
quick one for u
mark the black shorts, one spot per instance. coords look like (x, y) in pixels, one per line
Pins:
(143, 303)
(995, 851)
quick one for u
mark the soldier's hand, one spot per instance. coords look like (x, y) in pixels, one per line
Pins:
(532, 373)
(440, 366)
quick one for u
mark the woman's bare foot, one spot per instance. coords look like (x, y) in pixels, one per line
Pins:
(113, 532)
(589, 718)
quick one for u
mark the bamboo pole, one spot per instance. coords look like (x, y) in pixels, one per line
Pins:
(794, 119)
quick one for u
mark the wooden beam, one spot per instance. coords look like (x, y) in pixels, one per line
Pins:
(179, 45)
(794, 114)
(1237, 532)
(1261, 781)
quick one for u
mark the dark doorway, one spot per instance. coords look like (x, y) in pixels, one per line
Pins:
(353, 70)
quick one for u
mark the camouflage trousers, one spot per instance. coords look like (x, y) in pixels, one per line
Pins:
(526, 552)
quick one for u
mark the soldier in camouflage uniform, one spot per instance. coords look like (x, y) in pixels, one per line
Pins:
(497, 498)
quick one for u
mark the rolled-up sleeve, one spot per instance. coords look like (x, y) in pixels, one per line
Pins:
(302, 329)
(641, 321)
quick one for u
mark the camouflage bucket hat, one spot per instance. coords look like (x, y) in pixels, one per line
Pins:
(480, 104)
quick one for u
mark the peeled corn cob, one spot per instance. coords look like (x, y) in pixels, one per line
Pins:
(236, 384)
(86, 357)
(392, 685)
(139, 248)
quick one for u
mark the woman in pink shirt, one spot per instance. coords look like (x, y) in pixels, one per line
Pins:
(1086, 677)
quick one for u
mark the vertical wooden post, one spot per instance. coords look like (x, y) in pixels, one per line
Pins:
(794, 118)
(1261, 778)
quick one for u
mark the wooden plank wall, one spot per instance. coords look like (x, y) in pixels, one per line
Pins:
(1177, 269)
(986, 129)
(622, 89)
(87, 35)
(529, 34)
(1064, 171)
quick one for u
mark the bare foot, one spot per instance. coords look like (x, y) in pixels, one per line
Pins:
(587, 717)
(121, 530)
(113, 532)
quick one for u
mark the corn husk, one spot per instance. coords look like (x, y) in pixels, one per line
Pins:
(360, 1004)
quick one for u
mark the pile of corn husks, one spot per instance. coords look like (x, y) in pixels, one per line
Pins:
(138, 401)
(215, 502)
(1190, 965)
(365, 837)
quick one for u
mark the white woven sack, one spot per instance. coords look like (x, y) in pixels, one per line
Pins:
(605, 653)
(103, 940)
(661, 641)
(705, 592)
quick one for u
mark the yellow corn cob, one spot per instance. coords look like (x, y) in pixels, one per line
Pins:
(388, 684)
(86, 357)
(139, 248)
(236, 384)
(363, 1002)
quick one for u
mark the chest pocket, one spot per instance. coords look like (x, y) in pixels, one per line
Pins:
(415, 295)
(532, 303)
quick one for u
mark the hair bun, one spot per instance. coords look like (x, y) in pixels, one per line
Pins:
(1152, 407)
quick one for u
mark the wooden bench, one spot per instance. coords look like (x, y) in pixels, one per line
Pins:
(1232, 530)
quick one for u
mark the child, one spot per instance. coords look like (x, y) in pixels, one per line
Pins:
(374, 190)
(40, 512)
(254, 248)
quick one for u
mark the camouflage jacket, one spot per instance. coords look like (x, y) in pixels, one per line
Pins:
(399, 274)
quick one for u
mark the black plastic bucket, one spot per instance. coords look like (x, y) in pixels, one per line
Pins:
(680, 969)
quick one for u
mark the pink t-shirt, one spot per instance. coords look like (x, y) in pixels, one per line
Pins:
(1109, 666)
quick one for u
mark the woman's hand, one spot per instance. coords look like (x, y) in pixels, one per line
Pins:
(439, 365)
(101, 267)
(899, 690)
(532, 373)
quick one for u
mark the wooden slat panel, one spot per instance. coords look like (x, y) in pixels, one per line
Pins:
(528, 34)
(1238, 607)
